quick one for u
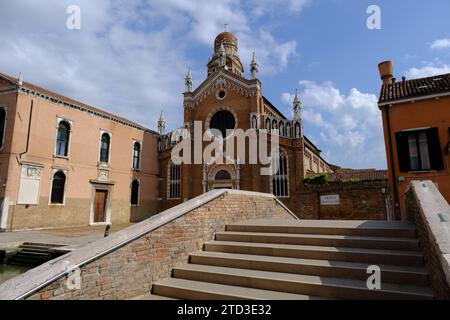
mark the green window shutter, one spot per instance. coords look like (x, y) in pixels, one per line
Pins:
(403, 151)
(434, 144)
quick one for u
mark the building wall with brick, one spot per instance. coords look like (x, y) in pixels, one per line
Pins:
(363, 201)
(225, 89)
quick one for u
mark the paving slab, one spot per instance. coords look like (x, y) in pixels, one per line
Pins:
(70, 237)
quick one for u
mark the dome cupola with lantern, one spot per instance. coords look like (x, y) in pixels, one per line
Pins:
(226, 54)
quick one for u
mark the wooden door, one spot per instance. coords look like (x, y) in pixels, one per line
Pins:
(100, 202)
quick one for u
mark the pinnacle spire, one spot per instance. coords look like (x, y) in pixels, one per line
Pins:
(222, 56)
(254, 67)
(188, 81)
(162, 124)
(296, 98)
(189, 74)
(297, 106)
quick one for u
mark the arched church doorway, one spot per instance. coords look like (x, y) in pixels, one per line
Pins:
(223, 180)
(222, 177)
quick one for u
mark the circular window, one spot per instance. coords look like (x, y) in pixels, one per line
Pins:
(223, 121)
(223, 175)
(221, 94)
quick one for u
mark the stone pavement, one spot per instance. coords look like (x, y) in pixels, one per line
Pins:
(72, 237)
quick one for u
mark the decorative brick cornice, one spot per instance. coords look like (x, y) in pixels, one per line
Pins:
(223, 79)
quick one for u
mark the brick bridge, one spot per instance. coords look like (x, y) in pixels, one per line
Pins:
(230, 244)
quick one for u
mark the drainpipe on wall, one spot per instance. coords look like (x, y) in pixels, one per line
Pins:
(28, 133)
(394, 177)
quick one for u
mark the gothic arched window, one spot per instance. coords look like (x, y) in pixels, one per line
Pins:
(282, 133)
(62, 139)
(289, 130)
(137, 156)
(160, 144)
(254, 122)
(297, 130)
(280, 180)
(58, 186)
(268, 125)
(274, 125)
(174, 181)
(135, 193)
(105, 146)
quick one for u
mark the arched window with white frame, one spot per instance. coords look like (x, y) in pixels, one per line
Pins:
(58, 188)
(137, 155)
(280, 179)
(63, 139)
(105, 147)
(174, 181)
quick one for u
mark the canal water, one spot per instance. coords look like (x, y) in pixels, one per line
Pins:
(8, 271)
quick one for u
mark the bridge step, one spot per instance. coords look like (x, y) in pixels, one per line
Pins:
(337, 269)
(327, 287)
(346, 228)
(278, 259)
(390, 257)
(198, 290)
(389, 243)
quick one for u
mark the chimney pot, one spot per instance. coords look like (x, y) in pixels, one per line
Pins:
(386, 69)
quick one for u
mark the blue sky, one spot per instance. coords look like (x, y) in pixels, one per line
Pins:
(130, 57)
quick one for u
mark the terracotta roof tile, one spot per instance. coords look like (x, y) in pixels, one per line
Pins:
(415, 88)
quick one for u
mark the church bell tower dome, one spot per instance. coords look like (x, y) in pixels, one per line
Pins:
(226, 49)
(228, 39)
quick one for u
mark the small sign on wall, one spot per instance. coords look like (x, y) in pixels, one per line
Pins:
(332, 200)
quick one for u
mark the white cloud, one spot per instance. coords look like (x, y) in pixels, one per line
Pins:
(272, 56)
(298, 5)
(350, 124)
(428, 69)
(130, 56)
(107, 63)
(263, 7)
(440, 44)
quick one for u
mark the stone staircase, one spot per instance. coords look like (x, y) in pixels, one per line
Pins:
(303, 260)
(34, 254)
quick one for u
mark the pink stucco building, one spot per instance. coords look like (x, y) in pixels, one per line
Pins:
(64, 163)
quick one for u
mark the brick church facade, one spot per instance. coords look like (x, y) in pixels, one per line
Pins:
(227, 100)
(64, 163)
